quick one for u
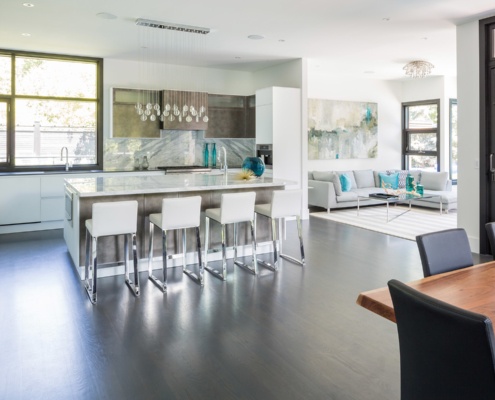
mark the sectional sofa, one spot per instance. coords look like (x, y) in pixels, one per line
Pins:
(325, 187)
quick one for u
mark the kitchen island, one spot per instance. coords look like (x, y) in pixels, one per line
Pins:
(148, 191)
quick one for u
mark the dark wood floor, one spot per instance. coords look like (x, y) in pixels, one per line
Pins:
(295, 334)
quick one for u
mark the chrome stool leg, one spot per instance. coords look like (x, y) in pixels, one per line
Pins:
(215, 272)
(250, 268)
(302, 261)
(161, 285)
(133, 286)
(274, 266)
(199, 277)
(90, 283)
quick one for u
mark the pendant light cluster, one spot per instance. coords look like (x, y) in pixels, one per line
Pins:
(165, 49)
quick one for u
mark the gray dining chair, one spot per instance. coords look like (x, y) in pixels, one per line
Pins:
(444, 251)
(445, 352)
(490, 230)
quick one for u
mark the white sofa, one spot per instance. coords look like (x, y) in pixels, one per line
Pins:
(325, 190)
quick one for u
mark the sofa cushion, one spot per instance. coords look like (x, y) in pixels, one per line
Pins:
(434, 180)
(364, 178)
(350, 174)
(389, 181)
(310, 175)
(336, 184)
(345, 183)
(347, 196)
(323, 176)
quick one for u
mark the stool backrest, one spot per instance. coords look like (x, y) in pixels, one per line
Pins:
(286, 203)
(237, 207)
(182, 212)
(114, 218)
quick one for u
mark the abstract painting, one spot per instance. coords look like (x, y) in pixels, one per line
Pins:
(342, 129)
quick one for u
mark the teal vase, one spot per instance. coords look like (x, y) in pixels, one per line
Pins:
(214, 156)
(419, 189)
(409, 183)
(254, 164)
(206, 155)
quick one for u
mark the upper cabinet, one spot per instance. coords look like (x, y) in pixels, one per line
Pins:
(219, 116)
(185, 110)
(231, 116)
(126, 121)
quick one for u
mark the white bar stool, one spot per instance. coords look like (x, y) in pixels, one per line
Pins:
(234, 208)
(177, 213)
(285, 203)
(111, 219)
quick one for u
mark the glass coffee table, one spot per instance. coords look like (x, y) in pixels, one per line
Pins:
(396, 199)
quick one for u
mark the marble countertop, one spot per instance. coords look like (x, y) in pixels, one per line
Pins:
(110, 186)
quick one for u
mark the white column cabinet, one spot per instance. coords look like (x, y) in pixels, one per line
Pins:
(278, 122)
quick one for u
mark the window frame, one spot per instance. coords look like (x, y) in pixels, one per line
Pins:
(406, 132)
(452, 102)
(11, 98)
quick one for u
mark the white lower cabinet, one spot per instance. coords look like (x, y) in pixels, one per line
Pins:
(20, 200)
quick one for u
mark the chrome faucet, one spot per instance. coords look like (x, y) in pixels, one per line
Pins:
(225, 167)
(66, 157)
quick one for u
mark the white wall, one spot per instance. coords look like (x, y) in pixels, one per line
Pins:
(388, 96)
(468, 130)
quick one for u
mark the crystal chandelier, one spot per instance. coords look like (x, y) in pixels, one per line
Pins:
(164, 46)
(418, 69)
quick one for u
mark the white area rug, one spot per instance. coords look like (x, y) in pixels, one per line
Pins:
(407, 226)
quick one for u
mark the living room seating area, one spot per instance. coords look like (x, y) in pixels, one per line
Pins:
(340, 189)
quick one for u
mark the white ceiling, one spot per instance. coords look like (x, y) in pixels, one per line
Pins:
(368, 38)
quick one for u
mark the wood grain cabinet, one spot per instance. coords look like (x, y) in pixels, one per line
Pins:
(231, 116)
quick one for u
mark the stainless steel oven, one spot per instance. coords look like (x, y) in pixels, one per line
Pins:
(264, 151)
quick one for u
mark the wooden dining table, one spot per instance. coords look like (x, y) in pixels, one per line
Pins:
(471, 288)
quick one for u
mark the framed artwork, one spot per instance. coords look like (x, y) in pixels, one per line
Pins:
(342, 129)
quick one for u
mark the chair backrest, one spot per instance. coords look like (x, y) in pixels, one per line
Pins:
(237, 207)
(286, 203)
(445, 352)
(444, 251)
(181, 212)
(490, 230)
(114, 218)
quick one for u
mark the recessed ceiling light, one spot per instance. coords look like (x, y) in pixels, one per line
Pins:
(281, 40)
(25, 34)
(386, 19)
(369, 72)
(237, 57)
(28, 5)
(105, 15)
(255, 37)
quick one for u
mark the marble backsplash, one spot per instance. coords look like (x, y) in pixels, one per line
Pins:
(173, 148)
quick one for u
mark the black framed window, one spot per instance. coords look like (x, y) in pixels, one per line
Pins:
(453, 140)
(421, 135)
(48, 102)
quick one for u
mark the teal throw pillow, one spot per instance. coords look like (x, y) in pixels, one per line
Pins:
(389, 181)
(345, 182)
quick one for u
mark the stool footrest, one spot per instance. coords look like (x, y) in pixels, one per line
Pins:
(294, 260)
(247, 267)
(194, 276)
(216, 273)
(268, 265)
(89, 291)
(132, 286)
(158, 283)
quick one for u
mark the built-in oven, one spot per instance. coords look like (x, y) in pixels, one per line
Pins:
(264, 151)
